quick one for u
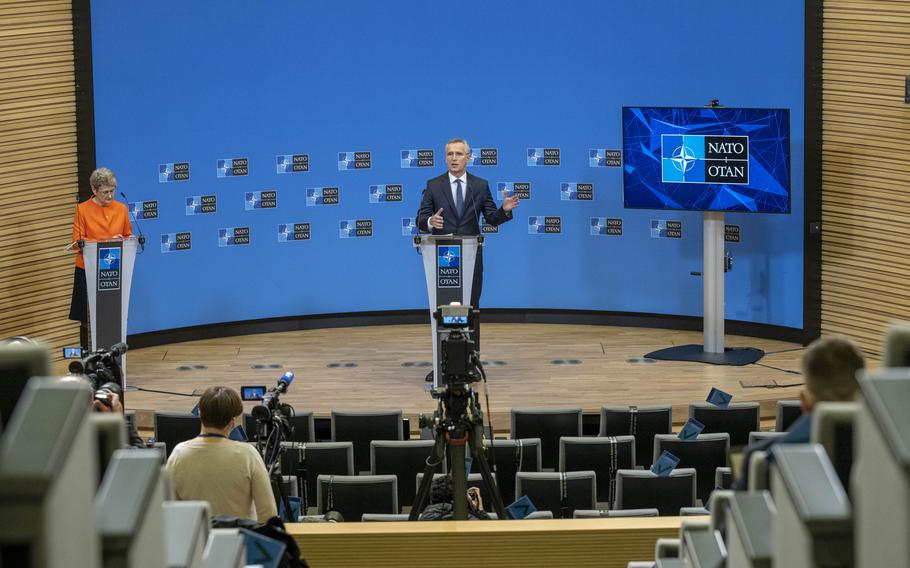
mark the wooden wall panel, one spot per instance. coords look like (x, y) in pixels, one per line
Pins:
(865, 169)
(38, 187)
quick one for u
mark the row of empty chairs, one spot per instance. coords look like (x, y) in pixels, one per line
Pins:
(548, 424)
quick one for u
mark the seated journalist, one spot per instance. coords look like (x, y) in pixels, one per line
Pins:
(230, 475)
(829, 369)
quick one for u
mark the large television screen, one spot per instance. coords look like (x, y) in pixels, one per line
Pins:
(706, 159)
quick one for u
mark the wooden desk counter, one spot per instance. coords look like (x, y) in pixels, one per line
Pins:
(558, 542)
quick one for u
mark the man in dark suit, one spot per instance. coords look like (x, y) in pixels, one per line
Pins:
(452, 204)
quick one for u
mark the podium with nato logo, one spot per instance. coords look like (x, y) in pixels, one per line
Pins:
(108, 277)
(448, 263)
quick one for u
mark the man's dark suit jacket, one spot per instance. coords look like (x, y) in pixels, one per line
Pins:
(478, 201)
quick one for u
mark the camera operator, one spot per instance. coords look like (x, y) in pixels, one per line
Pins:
(230, 475)
(107, 399)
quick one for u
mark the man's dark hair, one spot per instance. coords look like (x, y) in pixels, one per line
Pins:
(829, 366)
(441, 490)
(218, 405)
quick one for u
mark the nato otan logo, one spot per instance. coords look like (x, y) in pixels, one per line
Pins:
(201, 204)
(109, 268)
(576, 191)
(488, 229)
(543, 156)
(662, 229)
(353, 228)
(417, 158)
(689, 158)
(603, 158)
(289, 232)
(231, 167)
(509, 188)
(354, 161)
(604, 226)
(173, 171)
(408, 227)
(544, 225)
(143, 209)
(448, 266)
(316, 196)
(390, 192)
(173, 242)
(484, 157)
(292, 163)
(261, 200)
(232, 236)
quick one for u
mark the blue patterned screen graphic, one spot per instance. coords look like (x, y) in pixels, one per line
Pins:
(706, 159)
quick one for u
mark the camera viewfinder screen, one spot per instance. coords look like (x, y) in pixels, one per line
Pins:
(252, 393)
(72, 353)
(454, 320)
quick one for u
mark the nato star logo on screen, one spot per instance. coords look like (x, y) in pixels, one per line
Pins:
(598, 226)
(408, 227)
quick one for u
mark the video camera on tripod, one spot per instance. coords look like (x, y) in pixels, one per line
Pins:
(102, 369)
(458, 420)
(274, 427)
(459, 362)
(269, 405)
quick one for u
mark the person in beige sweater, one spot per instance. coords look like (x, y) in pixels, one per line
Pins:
(230, 475)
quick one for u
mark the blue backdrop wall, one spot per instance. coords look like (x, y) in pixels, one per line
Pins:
(181, 86)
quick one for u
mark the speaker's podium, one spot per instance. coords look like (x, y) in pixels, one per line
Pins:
(448, 263)
(108, 278)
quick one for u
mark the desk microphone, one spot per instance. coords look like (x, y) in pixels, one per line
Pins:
(141, 236)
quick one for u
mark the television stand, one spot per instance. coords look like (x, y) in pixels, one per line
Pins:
(713, 350)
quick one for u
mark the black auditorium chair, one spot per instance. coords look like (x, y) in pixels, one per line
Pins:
(641, 489)
(549, 425)
(723, 478)
(404, 459)
(557, 491)
(175, 427)
(602, 455)
(760, 436)
(738, 419)
(362, 427)
(508, 457)
(354, 495)
(302, 423)
(703, 454)
(643, 422)
(308, 461)
(787, 413)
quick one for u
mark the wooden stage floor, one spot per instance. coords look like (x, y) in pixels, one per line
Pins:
(384, 367)
(526, 364)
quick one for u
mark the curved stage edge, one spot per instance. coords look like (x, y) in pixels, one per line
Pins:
(493, 315)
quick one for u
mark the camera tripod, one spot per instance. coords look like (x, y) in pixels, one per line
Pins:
(271, 433)
(457, 421)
